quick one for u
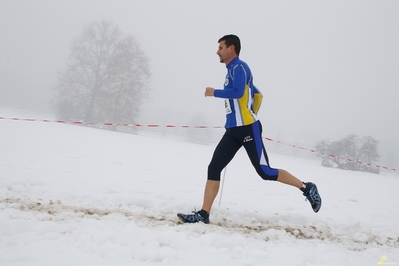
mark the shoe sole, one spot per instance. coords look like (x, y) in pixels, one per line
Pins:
(181, 218)
(318, 209)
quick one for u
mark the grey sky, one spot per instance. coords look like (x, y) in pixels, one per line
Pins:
(326, 68)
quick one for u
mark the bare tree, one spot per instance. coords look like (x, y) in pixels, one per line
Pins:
(106, 77)
(351, 153)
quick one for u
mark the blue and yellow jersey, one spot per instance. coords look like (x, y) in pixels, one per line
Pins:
(242, 98)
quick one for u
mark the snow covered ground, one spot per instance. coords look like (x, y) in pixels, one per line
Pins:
(72, 195)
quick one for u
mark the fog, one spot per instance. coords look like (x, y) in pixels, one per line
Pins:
(326, 68)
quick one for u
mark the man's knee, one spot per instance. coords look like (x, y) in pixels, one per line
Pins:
(214, 172)
(267, 173)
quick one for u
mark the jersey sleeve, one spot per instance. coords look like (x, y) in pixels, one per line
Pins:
(258, 97)
(236, 89)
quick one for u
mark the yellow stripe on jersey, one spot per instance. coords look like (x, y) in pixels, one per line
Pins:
(257, 101)
(247, 116)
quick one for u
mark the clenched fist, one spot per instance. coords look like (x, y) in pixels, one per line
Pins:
(209, 91)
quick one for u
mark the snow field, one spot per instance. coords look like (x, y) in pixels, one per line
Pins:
(73, 194)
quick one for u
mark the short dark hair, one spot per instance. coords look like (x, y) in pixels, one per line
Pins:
(232, 40)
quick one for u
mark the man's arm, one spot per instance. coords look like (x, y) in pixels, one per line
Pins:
(258, 97)
(236, 89)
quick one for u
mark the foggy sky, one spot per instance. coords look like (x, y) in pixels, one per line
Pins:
(326, 68)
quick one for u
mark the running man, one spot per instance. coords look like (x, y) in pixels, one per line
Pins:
(242, 101)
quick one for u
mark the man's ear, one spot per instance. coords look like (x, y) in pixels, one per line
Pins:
(232, 48)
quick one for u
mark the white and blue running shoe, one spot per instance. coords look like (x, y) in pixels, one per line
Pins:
(195, 217)
(312, 195)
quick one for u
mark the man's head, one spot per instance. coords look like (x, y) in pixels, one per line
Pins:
(229, 48)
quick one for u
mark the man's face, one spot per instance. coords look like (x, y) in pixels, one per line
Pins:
(225, 53)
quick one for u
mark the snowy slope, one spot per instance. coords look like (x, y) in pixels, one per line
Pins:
(72, 195)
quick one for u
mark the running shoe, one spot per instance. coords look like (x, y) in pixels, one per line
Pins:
(312, 195)
(195, 217)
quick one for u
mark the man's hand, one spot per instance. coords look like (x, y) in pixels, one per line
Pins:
(209, 92)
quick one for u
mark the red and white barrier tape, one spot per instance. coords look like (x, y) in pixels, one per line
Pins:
(173, 126)
(332, 155)
(103, 124)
